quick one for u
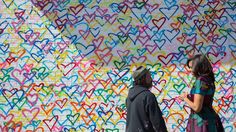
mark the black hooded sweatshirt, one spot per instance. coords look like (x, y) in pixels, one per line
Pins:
(143, 112)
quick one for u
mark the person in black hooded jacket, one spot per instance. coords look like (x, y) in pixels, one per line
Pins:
(143, 112)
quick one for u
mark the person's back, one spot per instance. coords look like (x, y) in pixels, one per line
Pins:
(143, 112)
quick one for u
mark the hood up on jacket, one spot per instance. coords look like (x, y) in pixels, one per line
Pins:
(135, 91)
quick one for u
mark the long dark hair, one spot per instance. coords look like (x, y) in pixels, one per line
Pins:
(201, 66)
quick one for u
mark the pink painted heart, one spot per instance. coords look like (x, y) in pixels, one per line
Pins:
(84, 34)
(143, 39)
(30, 114)
(123, 53)
(111, 18)
(89, 17)
(151, 7)
(102, 52)
(17, 25)
(5, 119)
(32, 37)
(101, 11)
(97, 42)
(213, 4)
(151, 47)
(32, 99)
(66, 68)
(61, 103)
(61, 23)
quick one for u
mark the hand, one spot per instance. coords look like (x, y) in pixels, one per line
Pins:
(183, 95)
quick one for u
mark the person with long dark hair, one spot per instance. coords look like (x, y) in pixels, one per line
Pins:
(202, 118)
(143, 112)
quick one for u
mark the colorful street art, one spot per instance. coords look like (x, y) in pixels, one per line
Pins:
(66, 64)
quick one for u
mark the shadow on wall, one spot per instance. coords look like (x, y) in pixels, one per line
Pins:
(151, 32)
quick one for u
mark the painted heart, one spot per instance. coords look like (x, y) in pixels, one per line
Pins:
(97, 42)
(32, 99)
(169, 102)
(118, 89)
(89, 17)
(6, 119)
(171, 34)
(48, 108)
(30, 114)
(159, 22)
(165, 59)
(61, 115)
(15, 126)
(66, 68)
(139, 60)
(105, 116)
(76, 106)
(89, 108)
(111, 18)
(73, 118)
(61, 103)
(151, 7)
(123, 7)
(171, 11)
(225, 103)
(76, 9)
(51, 122)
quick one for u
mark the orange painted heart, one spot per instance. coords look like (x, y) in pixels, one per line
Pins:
(48, 108)
(17, 55)
(88, 119)
(86, 74)
(175, 25)
(118, 88)
(105, 83)
(15, 126)
(169, 69)
(76, 106)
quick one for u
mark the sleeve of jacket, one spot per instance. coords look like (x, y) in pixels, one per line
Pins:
(155, 114)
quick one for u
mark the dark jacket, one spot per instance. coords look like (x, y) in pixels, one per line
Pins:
(143, 112)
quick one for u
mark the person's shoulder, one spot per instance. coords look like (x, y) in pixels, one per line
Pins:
(149, 94)
(204, 82)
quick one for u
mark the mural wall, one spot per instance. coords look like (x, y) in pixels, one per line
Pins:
(66, 64)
